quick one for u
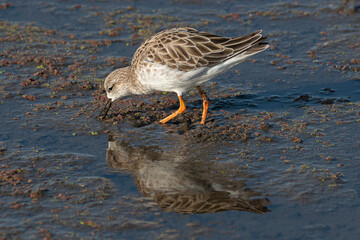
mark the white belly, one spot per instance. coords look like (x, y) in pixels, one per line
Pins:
(158, 77)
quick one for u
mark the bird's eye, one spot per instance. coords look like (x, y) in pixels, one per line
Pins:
(110, 88)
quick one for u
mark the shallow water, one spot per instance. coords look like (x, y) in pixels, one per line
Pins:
(277, 159)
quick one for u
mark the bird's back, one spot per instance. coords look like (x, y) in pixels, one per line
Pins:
(187, 49)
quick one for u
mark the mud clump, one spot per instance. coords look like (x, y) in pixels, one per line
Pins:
(12, 177)
(266, 139)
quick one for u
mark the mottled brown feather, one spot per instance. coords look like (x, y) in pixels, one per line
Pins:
(186, 49)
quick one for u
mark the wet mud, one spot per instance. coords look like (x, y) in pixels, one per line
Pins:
(277, 158)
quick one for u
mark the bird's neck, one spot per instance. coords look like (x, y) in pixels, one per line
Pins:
(136, 87)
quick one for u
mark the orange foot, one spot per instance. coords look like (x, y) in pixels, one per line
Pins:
(181, 109)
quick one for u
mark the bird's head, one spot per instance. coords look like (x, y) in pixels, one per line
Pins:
(117, 83)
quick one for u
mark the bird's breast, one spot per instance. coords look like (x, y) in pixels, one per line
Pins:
(159, 77)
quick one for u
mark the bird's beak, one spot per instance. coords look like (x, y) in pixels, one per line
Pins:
(106, 109)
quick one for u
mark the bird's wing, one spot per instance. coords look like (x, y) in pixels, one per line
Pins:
(186, 49)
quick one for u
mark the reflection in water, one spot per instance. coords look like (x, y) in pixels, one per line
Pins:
(182, 186)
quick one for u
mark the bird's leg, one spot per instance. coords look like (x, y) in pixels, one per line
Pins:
(106, 109)
(181, 109)
(205, 104)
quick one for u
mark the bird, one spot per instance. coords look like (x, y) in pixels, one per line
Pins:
(177, 60)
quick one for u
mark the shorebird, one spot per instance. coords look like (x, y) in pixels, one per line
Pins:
(178, 59)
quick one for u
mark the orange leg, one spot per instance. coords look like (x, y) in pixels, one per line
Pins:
(181, 109)
(205, 104)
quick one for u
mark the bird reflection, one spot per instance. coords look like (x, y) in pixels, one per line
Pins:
(182, 186)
